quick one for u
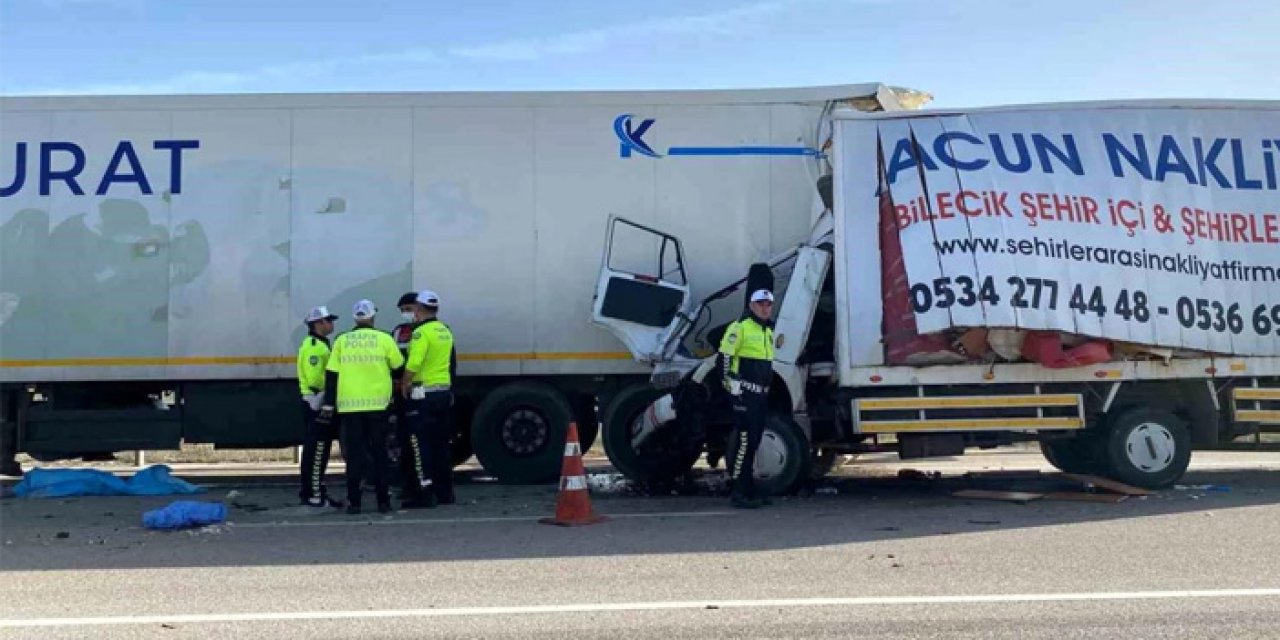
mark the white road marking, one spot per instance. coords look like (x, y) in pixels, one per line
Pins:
(479, 519)
(637, 606)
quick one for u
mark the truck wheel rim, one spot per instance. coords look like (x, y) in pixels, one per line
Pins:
(771, 457)
(524, 432)
(1150, 447)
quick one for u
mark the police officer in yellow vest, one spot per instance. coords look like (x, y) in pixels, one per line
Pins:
(358, 385)
(427, 388)
(747, 352)
(313, 357)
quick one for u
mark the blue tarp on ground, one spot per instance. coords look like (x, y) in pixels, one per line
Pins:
(61, 483)
(185, 513)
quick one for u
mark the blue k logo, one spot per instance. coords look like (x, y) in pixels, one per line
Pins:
(630, 139)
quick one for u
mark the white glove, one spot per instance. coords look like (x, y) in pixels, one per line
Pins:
(313, 400)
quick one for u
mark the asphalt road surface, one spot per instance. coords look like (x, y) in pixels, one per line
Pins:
(869, 555)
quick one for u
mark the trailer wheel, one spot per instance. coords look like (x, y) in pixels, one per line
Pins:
(1148, 448)
(1082, 454)
(665, 457)
(518, 432)
(783, 460)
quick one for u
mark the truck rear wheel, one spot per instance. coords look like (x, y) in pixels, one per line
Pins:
(1082, 454)
(1148, 448)
(783, 460)
(664, 457)
(518, 432)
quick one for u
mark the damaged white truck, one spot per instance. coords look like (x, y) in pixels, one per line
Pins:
(1101, 278)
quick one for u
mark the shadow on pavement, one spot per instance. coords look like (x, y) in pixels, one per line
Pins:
(267, 528)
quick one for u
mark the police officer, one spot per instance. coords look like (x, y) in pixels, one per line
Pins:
(427, 385)
(313, 357)
(747, 352)
(358, 385)
(402, 333)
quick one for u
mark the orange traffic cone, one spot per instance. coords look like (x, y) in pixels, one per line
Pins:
(573, 507)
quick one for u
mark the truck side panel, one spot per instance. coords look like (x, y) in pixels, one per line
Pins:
(229, 289)
(282, 208)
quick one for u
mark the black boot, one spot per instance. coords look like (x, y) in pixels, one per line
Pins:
(426, 499)
(744, 493)
(353, 509)
(743, 502)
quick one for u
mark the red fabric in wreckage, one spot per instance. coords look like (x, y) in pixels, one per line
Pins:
(901, 336)
(1046, 348)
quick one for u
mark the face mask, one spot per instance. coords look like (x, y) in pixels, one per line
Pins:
(407, 316)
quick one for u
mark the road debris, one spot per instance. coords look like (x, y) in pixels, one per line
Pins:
(1021, 497)
(913, 474)
(212, 529)
(1216, 488)
(1081, 496)
(1109, 485)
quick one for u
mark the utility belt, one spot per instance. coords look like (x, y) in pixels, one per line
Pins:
(737, 387)
(420, 391)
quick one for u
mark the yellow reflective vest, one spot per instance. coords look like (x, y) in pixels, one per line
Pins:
(364, 358)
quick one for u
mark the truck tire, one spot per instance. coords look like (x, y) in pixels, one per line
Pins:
(783, 461)
(518, 432)
(1083, 454)
(1148, 448)
(666, 460)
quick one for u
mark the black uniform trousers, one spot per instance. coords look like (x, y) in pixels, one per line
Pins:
(430, 426)
(748, 416)
(404, 461)
(364, 447)
(317, 445)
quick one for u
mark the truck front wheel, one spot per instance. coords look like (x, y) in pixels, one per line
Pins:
(665, 456)
(1148, 448)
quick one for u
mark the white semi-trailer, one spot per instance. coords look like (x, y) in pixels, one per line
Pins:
(157, 254)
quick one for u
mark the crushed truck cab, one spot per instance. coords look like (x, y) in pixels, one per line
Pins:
(984, 278)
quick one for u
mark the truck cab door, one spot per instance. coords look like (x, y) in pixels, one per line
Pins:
(794, 318)
(643, 289)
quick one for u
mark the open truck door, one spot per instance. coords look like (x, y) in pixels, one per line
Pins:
(643, 289)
